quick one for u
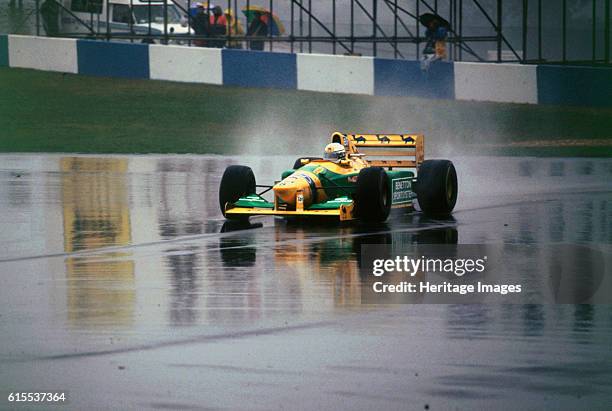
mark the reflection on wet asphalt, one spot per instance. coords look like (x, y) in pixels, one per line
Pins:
(122, 284)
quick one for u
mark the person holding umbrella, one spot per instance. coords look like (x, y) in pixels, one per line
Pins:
(258, 28)
(436, 34)
(261, 23)
(217, 27)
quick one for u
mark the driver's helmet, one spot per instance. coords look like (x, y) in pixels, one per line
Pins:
(334, 152)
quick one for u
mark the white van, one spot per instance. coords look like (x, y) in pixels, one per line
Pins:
(125, 17)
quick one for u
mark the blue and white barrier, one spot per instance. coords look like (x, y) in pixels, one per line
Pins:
(109, 59)
(259, 69)
(335, 74)
(507, 83)
(48, 54)
(185, 64)
(405, 78)
(575, 86)
(4, 50)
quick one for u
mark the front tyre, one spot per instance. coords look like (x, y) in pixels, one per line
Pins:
(237, 181)
(437, 187)
(373, 195)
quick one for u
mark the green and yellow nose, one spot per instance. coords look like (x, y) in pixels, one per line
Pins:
(304, 182)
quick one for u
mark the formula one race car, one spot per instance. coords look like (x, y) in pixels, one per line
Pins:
(350, 182)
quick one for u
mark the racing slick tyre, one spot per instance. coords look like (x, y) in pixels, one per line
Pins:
(237, 181)
(436, 187)
(298, 162)
(373, 195)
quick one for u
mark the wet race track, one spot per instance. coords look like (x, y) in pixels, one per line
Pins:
(122, 287)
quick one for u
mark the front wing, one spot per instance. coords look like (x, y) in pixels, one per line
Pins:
(254, 205)
(343, 213)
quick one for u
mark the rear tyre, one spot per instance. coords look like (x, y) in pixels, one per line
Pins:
(373, 195)
(237, 181)
(436, 187)
(298, 162)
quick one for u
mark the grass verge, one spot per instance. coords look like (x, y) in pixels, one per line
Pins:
(53, 112)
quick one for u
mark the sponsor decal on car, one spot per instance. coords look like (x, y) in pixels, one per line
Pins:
(401, 190)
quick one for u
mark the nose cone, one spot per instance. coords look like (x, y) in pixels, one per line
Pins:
(286, 190)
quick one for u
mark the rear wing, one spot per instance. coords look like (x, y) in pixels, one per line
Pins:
(375, 146)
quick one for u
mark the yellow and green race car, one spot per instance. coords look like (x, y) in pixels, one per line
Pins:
(361, 176)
